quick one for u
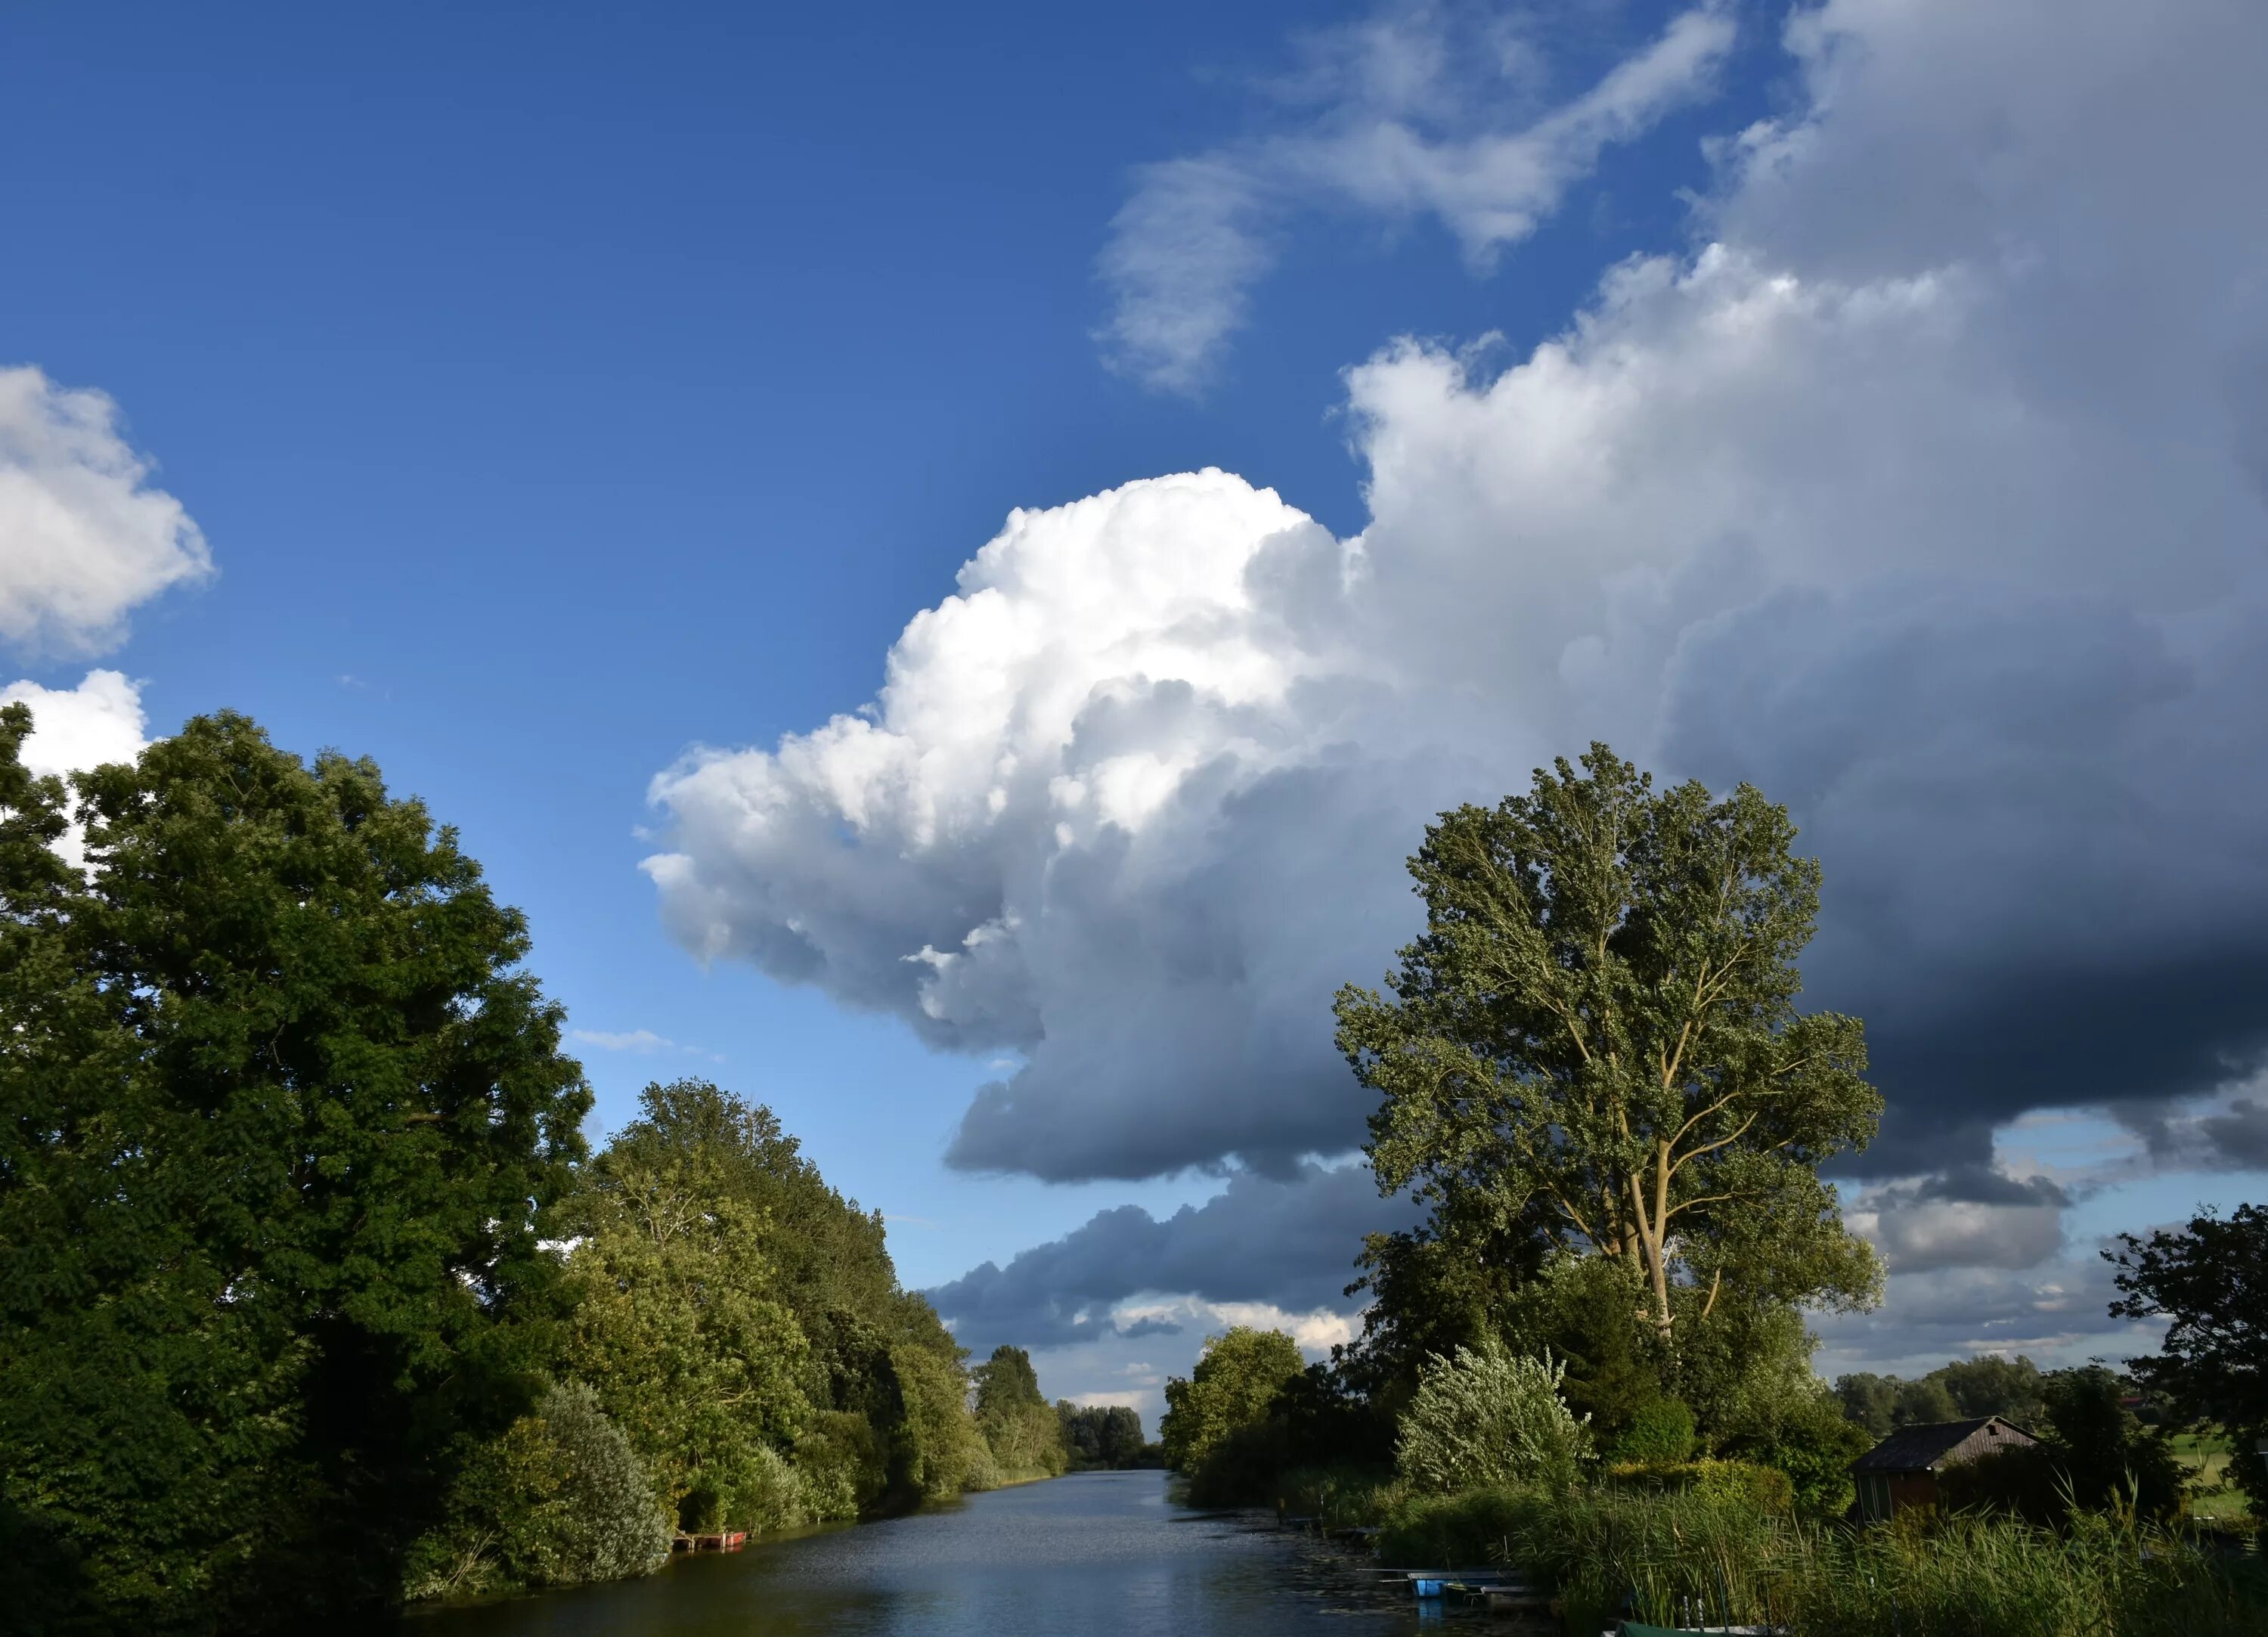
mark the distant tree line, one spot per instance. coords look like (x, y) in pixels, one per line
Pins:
(311, 1297)
(1105, 1437)
(1962, 1389)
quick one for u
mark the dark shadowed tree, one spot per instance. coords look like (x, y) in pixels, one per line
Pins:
(283, 1112)
(2211, 1280)
(1594, 1047)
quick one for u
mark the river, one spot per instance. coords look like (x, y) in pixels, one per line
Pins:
(1096, 1552)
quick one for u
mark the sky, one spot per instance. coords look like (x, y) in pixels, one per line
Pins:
(946, 558)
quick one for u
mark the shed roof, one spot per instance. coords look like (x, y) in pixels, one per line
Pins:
(1932, 1444)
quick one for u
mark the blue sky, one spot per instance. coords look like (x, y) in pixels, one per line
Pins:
(561, 388)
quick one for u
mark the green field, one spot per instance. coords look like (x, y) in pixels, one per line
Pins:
(2207, 1454)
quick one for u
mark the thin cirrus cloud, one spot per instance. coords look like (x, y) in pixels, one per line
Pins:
(88, 538)
(636, 1042)
(1415, 112)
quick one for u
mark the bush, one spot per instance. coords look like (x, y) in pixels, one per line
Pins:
(844, 1467)
(1735, 1483)
(559, 1500)
(1451, 1531)
(1813, 1444)
(1660, 1433)
(1489, 1417)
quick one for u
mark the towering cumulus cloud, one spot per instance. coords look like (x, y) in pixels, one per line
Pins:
(1925, 489)
(1087, 821)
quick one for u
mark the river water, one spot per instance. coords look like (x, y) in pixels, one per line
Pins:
(1096, 1552)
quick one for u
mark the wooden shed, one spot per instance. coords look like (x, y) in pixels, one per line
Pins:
(1902, 1470)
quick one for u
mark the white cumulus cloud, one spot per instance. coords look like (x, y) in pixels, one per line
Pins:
(84, 537)
(1926, 489)
(100, 721)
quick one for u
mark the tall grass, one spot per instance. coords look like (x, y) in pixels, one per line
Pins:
(1680, 1555)
(1707, 1552)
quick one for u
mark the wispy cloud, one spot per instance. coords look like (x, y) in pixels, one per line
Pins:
(1413, 114)
(642, 1042)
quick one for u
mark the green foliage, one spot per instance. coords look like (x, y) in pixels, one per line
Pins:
(1433, 1530)
(559, 1500)
(1814, 1445)
(1742, 1484)
(282, 1113)
(2095, 1456)
(2211, 1278)
(938, 1449)
(1690, 1556)
(1595, 1044)
(1103, 1435)
(677, 1322)
(1235, 1384)
(1964, 1390)
(1487, 1416)
(1660, 1433)
(1020, 1428)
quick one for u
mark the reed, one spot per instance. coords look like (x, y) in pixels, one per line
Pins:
(1679, 1556)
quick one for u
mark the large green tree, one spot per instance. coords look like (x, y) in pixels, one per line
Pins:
(1594, 1048)
(678, 1324)
(282, 1113)
(1237, 1380)
(1020, 1427)
(735, 1304)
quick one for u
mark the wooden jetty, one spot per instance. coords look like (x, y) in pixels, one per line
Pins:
(716, 1540)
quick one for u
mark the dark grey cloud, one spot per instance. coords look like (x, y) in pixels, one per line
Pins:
(2046, 884)
(2057, 1313)
(1969, 1217)
(1287, 1243)
(2228, 1135)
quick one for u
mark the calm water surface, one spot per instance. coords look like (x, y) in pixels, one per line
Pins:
(1097, 1552)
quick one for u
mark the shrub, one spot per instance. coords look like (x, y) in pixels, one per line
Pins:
(560, 1499)
(1489, 1417)
(1660, 1433)
(607, 1524)
(1813, 1444)
(843, 1466)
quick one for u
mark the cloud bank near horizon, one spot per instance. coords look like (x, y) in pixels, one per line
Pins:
(1928, 489)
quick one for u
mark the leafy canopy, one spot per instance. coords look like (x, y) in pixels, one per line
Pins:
(284, 1114)
(1234, 1383)
(1595, 1044)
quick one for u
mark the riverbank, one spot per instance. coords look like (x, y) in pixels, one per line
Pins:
(1664, 1554)
(1094, 1553)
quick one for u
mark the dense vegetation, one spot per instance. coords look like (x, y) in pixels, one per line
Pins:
(1591, 1360)
(311, 1296)
(1104, 1437)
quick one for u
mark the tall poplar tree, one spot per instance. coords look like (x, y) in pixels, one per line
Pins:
(1594, 1047)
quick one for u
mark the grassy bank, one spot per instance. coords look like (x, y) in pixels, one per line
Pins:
(1705, 1550)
